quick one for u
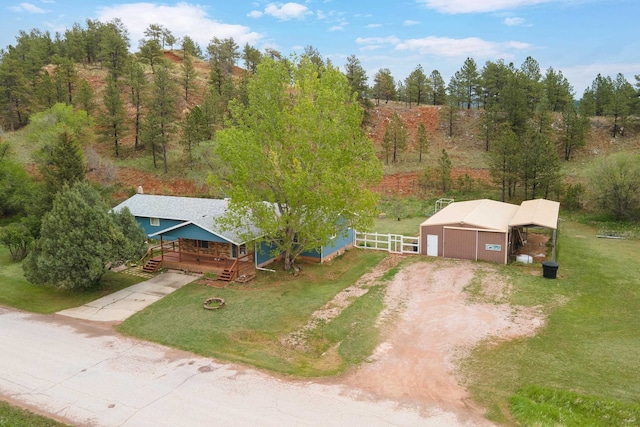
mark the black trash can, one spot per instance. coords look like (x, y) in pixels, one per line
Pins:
(549, 269)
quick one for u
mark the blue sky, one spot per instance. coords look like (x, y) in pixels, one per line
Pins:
(581, 38)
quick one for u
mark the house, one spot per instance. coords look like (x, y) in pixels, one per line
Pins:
(485, 229)
(190, 239)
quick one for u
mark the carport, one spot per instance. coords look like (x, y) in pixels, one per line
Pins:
(538, 213)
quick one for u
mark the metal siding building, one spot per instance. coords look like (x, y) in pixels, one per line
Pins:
(481, 230)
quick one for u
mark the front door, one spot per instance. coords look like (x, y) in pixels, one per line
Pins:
(432, 245)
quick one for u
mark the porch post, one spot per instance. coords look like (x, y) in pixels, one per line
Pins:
(161, 249)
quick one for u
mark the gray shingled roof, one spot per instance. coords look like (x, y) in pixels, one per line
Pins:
(199, 211)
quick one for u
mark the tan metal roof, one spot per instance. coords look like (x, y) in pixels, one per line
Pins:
(540, 212)
(483, 213)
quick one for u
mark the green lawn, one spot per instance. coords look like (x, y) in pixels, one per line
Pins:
(255, 317)
(11, 416)
(16, 292)
(590, 343)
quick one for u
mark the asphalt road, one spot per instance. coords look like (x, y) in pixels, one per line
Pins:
(86, 374)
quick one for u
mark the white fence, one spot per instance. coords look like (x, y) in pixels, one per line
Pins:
(394, 243)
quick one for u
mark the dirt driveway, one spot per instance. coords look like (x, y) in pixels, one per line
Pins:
(429, 324)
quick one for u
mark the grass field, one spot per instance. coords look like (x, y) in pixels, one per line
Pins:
(590, 343)
(16, 292)
(10, 416)
(249, 327)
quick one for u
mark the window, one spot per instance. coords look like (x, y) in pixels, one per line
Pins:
(243, 249)
(155, 222)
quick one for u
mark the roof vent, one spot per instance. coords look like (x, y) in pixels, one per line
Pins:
(140, 190)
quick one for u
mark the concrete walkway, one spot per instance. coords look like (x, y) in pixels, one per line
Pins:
(120, 305)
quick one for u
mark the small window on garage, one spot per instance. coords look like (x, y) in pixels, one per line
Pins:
(155, 222)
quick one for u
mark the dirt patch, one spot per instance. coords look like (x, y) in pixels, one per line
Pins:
(430, 323)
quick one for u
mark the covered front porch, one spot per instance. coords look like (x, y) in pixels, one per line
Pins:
(227, 260)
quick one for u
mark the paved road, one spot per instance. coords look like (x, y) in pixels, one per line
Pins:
(85, 373)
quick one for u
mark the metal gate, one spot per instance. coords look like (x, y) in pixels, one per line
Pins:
(393, 243)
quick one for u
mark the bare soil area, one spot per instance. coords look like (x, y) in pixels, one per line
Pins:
(429, 325)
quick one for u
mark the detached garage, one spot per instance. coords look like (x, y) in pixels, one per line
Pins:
(483, 229)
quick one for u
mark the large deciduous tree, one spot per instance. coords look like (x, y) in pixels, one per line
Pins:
(299, 167)
(615, 185)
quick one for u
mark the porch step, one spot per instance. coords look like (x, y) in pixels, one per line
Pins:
(151, 266)
(226, 275)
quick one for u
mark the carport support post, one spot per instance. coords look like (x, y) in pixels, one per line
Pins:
(553, 249)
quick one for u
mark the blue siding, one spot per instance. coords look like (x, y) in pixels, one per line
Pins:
(264, 253)
(190, 231)
(194, 232)
(339, 243)
(145, 223)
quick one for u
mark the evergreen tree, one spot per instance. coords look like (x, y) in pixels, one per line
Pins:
(422, 141)
(162, 114)
(438, 89)
(114, 47)
(443, 172)
(193, 131)
(189, 74)
(557, 90)
(503, 160)
(63, 164)
(417, 85)
(532, 88)
(65, 76)
(468, 79)
(395, 137)
(78, 239)
(112, 122)
(85, 97)
(620, 102)
(356, 76)
(251, 57)
(190, 47)
(137, 83)
(575, 124)
(384, 86)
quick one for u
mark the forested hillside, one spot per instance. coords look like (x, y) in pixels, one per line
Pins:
(499, 130)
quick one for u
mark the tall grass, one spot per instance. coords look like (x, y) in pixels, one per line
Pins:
(589, 343)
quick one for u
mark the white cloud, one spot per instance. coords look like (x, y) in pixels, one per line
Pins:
(514, 21)
(27, 7)
(473, 6)
(182, 19)
(447, 47)
(287, 11)
(254, 14)
(374, 25)
(581, 76)
(336, 28)
(410, 23)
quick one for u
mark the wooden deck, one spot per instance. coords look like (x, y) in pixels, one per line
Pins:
(203, 263)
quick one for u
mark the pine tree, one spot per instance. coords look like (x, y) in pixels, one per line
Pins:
(422, 141)
(111, 123)
(395, 137)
